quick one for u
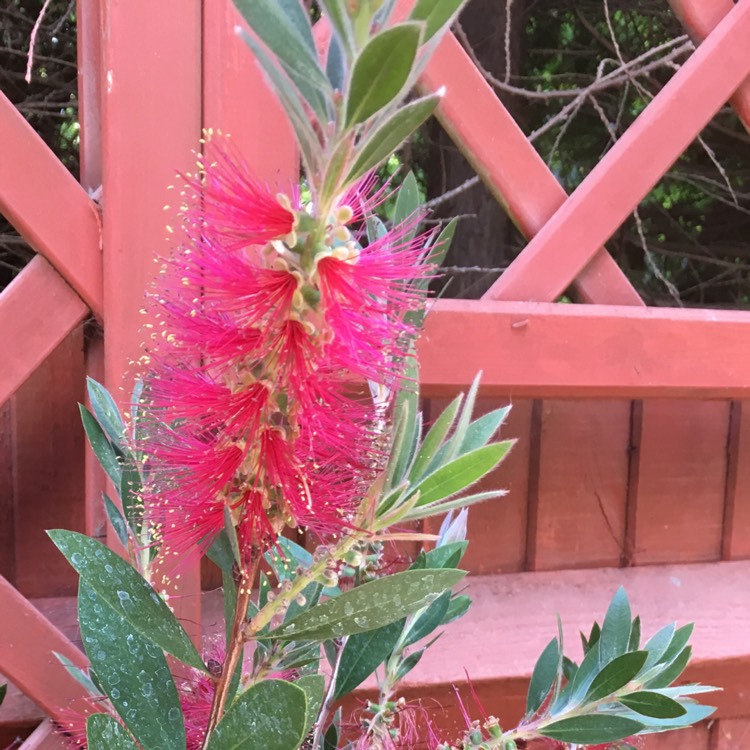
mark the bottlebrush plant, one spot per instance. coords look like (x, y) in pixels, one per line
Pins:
(278, 393)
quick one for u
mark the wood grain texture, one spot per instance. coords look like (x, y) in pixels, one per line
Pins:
(49, 467)
(736, 541)
(678, 482)
(497, 528)
(545, 350)
(582, 485)
(694, 738)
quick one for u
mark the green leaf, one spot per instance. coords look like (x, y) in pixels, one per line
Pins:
(220, 552)
(445, 556)
(336, 64)
(390, 136)
(132, 671)
(106, 411)
(408, 664)
(81, 676)
(407, 202)
(363, 654)
(271, 715)
(694, 712)
(284, 27)
(381, 71)
(331, 739)
(425, 511)
(671, 671)
(616, 627)
(370, 606)
(458, 607)
(338, 15)
(436, 14)
(105, 452)
(116, 519)
(589, 669)
(426, 622)
(434, 439)
(123, 589)
(615, 675)
(3, 693)
(314, 686)
(456, 476)
(635, 635)
(653, 704)
(543, 677)
(658, 644)
(105, 733)
(482, 430)
(290, 100)
(678, 642)
(593, 729)
(130, 492)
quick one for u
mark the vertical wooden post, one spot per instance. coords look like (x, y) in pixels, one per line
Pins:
(151, 119)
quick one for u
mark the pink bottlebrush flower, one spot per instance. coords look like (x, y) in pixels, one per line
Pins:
(256, 343)
(235, 207)
(72, 726)
(196, 696)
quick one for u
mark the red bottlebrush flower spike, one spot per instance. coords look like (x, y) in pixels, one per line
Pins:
(257, 338)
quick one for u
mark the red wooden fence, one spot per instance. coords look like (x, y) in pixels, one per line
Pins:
(598, 480)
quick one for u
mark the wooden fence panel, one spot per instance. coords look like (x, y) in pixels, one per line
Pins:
(678, 484)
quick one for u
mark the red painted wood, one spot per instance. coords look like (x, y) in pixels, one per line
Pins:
(700, 18)
(151, 120)
(513, 618)
(731, 734)
(90, 72)
(633, 166)
(581, 494)
(694, 738)
(7, 495)
(497, 528)
(48, 207)
(677, 502)
(237, 100)
(37, 311)
(549, 350)
(736, 543)
(27, 640)
(509, 165)
(49, 463)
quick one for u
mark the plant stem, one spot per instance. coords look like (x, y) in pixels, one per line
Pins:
(328, 700)
(235, 645)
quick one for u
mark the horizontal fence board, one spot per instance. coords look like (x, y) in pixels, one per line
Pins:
(582, 484)
(731, 734)
(543, 350)
(678, 486)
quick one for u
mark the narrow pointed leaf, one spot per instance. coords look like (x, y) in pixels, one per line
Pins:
(116, 519)
(616, 627)
(106, 411)
(390, 136)
(428, 620)
(363, 654)
(434, 438)
(381, 71)
(615, 675)
(482, 430)
(370, 606)
(314, 686)
(105, 452)
(461, 473)
(543, 677)
(652, 704)
(271, 715)
(593, 729)
(123, 589)
(436, 14)
(671, 671)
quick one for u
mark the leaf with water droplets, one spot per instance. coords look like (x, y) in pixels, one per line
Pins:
(128, 593)
(105, 733)
(370, 606)
(269, 715)
(133, 672)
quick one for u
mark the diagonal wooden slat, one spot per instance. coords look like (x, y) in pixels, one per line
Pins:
(27, 640)
(50, 210)
(509, 165)
(700, 18)
(37, 311)
(551, 261)
(598, 351)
